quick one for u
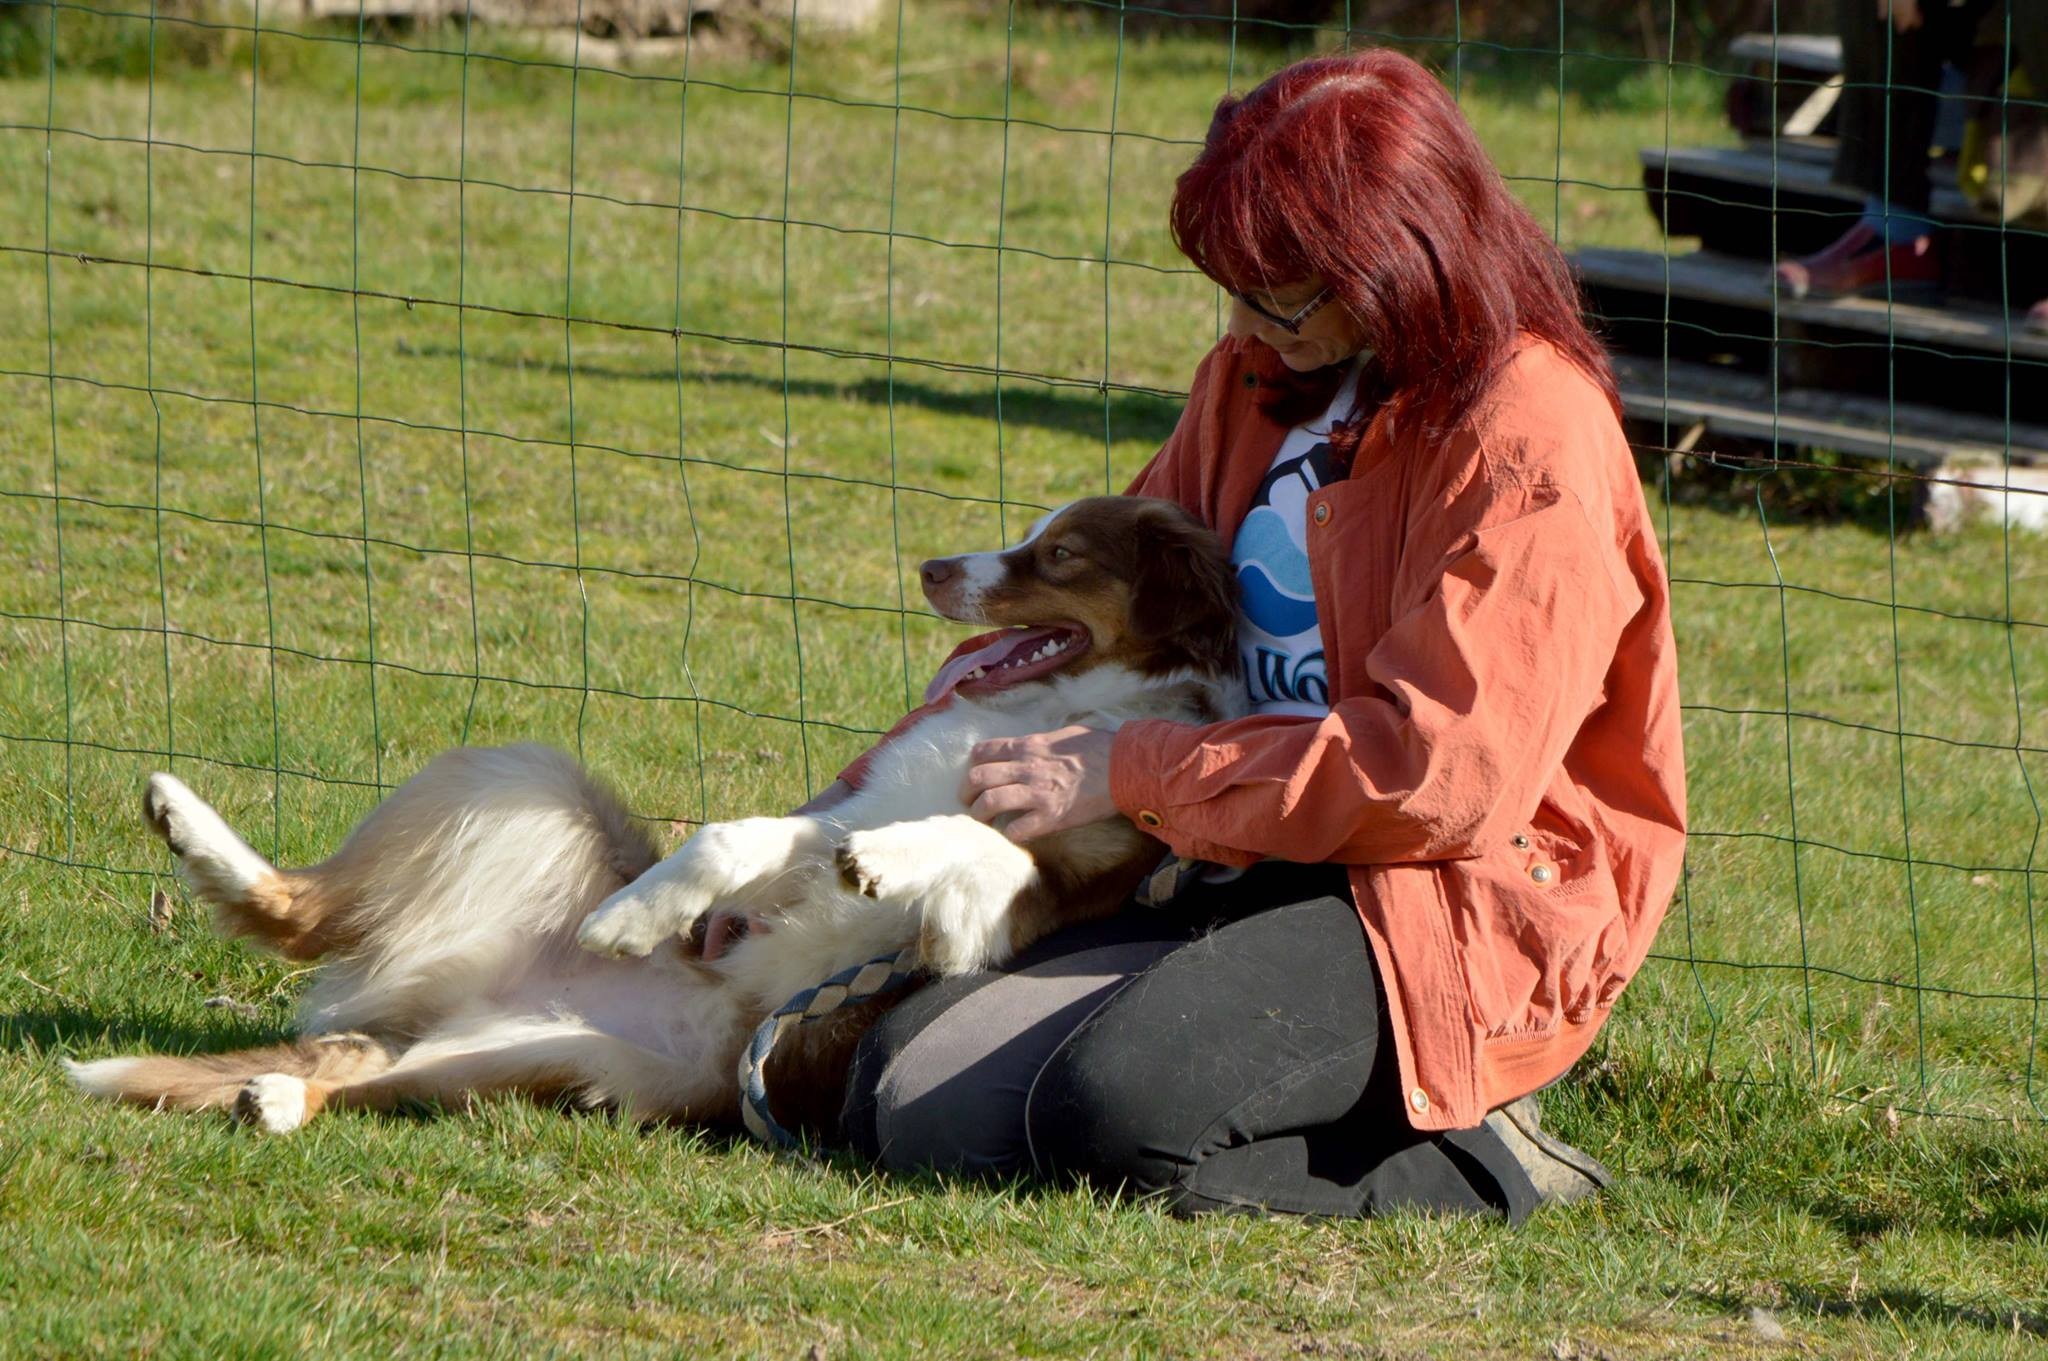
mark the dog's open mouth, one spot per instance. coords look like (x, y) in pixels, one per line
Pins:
(717, 932)
(1019, 654)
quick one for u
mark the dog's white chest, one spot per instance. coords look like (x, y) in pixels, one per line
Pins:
(920, 772)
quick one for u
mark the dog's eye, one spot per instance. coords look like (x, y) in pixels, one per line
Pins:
(1061, 554)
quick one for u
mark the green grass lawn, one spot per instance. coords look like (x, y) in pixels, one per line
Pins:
(291, 537)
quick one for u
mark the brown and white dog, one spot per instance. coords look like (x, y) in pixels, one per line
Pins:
(450, 920)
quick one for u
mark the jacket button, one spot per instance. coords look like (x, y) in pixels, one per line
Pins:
(1150, 818)
(1542, 874)
(1419, 1099)
(1322, 512)
(1251, 380)
(1521, 842)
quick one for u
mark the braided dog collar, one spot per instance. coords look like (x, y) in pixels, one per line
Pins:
(883, 973)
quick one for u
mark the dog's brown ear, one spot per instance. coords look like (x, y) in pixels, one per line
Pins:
(1184, 591)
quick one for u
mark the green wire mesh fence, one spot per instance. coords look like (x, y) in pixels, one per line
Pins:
(372, 387)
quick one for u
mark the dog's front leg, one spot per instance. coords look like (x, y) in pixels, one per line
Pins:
(960, 877)
(724, 860)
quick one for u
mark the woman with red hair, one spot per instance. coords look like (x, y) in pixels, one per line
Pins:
(1404, 891)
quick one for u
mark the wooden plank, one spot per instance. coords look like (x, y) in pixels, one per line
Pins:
(1741, 404)
(1814, 150)
(1816, 52)
(1959, 326)
(1739, 204)
(1795, 172)
(1815, 110)
(535, 17)
(381, 9)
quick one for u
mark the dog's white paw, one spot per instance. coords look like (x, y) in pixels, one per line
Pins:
(274, 1103)
(218, 865)
(963, 934)
(897, 862)
(636, 919)
(959, 877)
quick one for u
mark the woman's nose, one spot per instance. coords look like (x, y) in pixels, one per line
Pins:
(1245, 323)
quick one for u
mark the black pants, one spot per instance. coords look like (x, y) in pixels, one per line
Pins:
(1887, 113)
(1228, 1052)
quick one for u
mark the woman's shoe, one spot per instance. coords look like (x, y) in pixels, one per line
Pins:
(1860, 262)
(1560, 1173)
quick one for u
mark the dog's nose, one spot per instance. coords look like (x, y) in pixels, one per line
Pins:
(938, 571)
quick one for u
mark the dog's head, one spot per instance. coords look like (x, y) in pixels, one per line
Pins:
(1112, 580)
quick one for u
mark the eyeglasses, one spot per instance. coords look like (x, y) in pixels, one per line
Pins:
(1290, 324)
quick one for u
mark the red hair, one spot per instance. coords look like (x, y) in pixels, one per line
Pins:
(1358, 169)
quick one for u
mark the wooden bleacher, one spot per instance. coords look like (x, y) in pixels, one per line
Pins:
(1706, 346)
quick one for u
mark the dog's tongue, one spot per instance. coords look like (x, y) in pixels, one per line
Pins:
(990, 655)
(723, 930)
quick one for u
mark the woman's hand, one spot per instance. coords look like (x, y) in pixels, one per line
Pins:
(1904, 14)
(1053, 780)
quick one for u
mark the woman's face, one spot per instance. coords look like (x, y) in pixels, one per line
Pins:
(1330, 334)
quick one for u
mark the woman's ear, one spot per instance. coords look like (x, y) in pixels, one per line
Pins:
(1185, 589)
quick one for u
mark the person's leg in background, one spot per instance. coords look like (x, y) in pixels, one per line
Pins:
(1885, 127)
(2025, 23)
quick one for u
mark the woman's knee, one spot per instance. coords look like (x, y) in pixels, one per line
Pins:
(1087, 1117)
(1177, 1066)
(942, 1080)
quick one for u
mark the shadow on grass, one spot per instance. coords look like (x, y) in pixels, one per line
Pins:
(1787, 1146)
(69, 1029)
(1739, 480)
(1129, 415)
(1881, 1307)
(2003, 1219)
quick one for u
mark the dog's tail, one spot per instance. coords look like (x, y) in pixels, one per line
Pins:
(204, 1082)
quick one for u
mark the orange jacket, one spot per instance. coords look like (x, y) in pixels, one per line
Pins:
(1501, 765)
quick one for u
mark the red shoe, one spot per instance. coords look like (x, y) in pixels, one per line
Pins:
(1861, 263)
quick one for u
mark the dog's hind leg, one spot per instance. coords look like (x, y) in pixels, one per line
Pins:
(301, 914)
(250, 896)
(455, 883)
(202, 1082)
(474, 872)
(544, 1057)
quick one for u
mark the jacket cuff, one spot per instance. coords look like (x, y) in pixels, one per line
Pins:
(1139, 791)
(1134, 786)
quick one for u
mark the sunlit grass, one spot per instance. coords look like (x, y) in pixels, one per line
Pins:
(318, 527)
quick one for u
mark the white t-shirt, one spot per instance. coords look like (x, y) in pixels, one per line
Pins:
(1278, 640)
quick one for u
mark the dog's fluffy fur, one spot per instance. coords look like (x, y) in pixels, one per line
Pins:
(500, 924)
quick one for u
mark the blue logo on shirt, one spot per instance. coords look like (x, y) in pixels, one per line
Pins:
(1279, 641)
(1280, 678)
(1272, 575)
